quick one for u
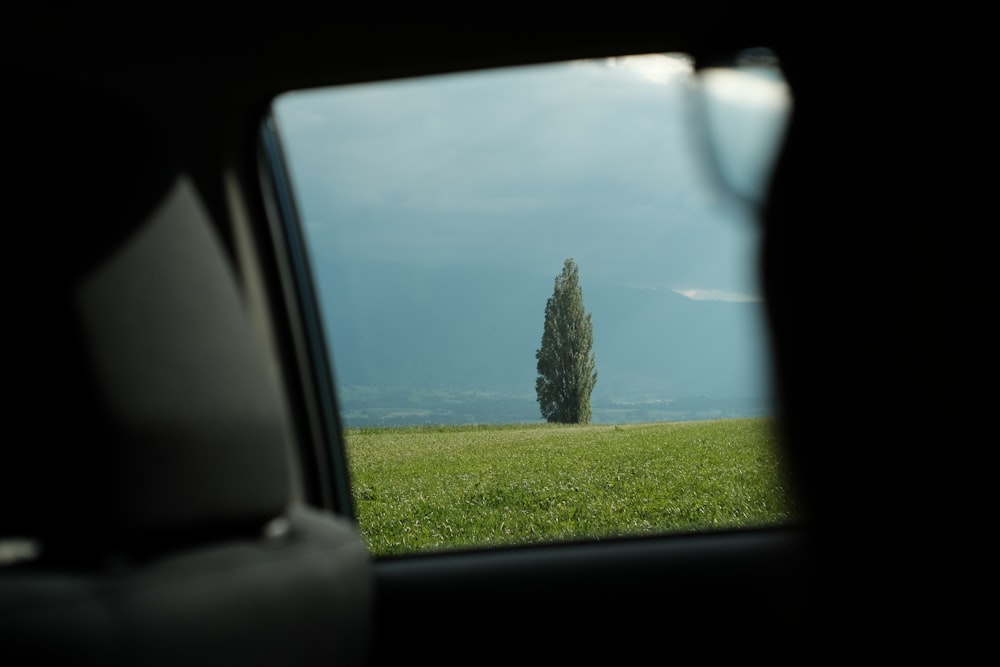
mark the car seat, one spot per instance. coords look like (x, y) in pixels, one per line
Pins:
(147, 515)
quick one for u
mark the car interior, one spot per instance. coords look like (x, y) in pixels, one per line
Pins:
(174, 486)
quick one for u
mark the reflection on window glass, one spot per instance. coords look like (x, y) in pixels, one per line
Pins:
(438, 213)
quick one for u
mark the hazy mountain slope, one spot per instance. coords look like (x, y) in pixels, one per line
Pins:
(408, 328)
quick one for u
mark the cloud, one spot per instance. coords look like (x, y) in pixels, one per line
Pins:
(716, 295)
(655, 67)
(517, 169)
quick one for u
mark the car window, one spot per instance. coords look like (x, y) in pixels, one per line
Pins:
(538, 288)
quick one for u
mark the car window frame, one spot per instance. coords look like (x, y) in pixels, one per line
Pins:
(323, 440)
(321, 447)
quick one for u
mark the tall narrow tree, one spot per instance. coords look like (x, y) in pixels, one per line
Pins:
(567, 369)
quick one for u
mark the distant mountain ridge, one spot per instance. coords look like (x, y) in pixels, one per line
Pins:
(420, 329)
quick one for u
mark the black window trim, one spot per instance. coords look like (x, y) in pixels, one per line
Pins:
(320, 429)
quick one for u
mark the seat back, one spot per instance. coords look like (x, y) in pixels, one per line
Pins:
(149, 476)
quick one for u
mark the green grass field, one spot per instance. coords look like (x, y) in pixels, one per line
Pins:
(421, 489)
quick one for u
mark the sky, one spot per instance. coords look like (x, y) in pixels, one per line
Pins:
(605, 161)
(646, 174)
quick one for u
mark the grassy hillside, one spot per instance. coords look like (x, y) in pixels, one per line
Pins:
(445, 487)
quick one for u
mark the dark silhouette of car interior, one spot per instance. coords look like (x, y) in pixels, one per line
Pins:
(174, 452)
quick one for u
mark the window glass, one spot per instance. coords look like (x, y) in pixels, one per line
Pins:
(440, 212)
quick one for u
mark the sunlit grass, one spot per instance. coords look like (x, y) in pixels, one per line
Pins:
(422, 489)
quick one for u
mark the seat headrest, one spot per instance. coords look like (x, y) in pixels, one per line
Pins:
(143, 408)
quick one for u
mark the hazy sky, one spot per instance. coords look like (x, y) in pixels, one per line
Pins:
(439, 211)
(605, 161)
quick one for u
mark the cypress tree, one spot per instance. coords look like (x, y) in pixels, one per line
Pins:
(567, 369)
